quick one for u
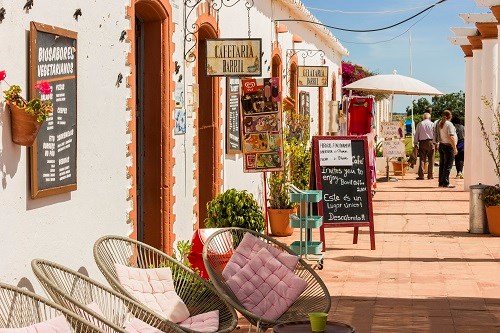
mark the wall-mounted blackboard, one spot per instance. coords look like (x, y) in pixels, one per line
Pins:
(54, 153)
(340, 166)
(233, 136)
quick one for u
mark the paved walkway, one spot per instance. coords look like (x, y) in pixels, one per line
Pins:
(428, 274)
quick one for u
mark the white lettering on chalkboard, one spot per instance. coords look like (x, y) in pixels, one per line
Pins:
(335, 153)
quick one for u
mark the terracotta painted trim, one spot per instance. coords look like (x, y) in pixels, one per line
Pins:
(281, 28)
(297, 39)
(294, 61)
(206, 17)
(277, 54)
(161, 10)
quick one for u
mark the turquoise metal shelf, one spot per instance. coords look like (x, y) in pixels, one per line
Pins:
(306, 196)
(309, 221)
(311, 247)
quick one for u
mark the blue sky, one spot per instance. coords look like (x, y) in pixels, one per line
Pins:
(435, 61)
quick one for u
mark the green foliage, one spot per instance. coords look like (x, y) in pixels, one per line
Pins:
(455, 102)
(491, 196)
(235, 208)
(183, 250)
(493, 147)
(35, 107)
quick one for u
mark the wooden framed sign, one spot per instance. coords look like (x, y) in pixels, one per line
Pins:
(340, 169)
(53, 54)
(233, 133)
(234, 57)
(313, 76)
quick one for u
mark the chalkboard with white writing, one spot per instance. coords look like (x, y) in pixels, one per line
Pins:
(54, 153)
(341, 171)
(233, 136)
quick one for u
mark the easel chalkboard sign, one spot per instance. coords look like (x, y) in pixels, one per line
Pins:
(53, 54)
(340, 170)
(233, 133)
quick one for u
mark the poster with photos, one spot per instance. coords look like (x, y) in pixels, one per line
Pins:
(261, 125)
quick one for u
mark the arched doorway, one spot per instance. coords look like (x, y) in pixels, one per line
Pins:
(208, 127)
(152, 31)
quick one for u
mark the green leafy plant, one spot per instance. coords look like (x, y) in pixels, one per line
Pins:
(41, 109)
(491, 196)
(235, 208)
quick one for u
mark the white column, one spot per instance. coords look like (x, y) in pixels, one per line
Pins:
(489, 73)
(468, 120)
(476, 172)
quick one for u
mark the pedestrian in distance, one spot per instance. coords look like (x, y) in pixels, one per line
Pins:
(446, 136)
(459, 158)
(424, 138)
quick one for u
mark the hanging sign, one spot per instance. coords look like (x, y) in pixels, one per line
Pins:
(261, 125)
(392, 129)
(233, 137)
(234, 57)
(313, 76)
(53, 54)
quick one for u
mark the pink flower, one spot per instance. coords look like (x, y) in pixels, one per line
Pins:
(3, 74)
(44, 87)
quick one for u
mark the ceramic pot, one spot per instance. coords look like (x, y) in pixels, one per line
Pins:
(398, 171)
(279, 221)
(493, 216)
(24, 126)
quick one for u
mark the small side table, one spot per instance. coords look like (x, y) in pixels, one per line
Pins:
(305, 326)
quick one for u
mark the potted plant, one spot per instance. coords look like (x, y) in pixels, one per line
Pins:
(491, 194)
(27, 116)
(400, 165)
(234, 208)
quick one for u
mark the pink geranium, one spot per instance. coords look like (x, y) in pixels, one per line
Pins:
(44, 87)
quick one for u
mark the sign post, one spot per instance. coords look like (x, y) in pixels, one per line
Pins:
(340, 169)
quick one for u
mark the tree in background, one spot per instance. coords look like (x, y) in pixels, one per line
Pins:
(455, 102)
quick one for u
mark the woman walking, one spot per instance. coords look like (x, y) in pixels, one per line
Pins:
(459, 158)
(445, 134)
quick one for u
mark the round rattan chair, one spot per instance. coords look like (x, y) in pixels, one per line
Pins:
(315, 297)
(199, 295)
(22, 308)
(75, 291)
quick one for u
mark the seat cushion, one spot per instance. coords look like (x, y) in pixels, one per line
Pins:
(265, 286)
(154, 288)
(250, 245)
(204, 322)
(54, 325)
(138, 326)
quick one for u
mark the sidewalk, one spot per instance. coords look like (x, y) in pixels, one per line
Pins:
(428, 274)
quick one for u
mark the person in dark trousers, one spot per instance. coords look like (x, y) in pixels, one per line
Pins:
(459, 158)
(446, 136)
(424, 137)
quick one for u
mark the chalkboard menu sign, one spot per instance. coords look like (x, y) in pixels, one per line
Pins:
(233, 136)
(341, 171)
(53, 155)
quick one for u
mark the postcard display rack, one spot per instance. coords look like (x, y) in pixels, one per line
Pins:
(305, 221)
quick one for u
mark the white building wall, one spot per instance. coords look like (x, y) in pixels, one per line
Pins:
(64, 227)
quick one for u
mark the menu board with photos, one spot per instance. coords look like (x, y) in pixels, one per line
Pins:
(53, 54)
(261, 125)
(340, 170)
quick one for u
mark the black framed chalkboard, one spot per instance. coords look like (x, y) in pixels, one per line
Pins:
(54, 153)
(341, 171)
(233, 134)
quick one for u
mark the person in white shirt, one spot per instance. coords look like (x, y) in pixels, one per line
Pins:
(446, 136)
(424, 137)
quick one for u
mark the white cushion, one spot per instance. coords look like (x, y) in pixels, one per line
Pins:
(154, 288)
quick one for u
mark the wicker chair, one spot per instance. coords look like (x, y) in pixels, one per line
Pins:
(315, 298)
(22, 308)
(75, 291)
(199, 295)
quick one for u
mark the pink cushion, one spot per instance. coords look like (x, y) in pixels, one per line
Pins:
(155, 288)
(265, 286)
(204, 322)
(55, 325)
(250, 245)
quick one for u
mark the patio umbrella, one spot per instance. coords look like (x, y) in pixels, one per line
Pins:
(393, 84)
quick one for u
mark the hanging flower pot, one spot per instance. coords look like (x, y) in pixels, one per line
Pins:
(24, 126)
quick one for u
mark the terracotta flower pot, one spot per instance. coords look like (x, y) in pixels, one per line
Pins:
(493, 216)
(24, 126)
(398, 171)
(279, 221)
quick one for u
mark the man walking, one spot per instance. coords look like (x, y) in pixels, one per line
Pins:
(424, 136)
